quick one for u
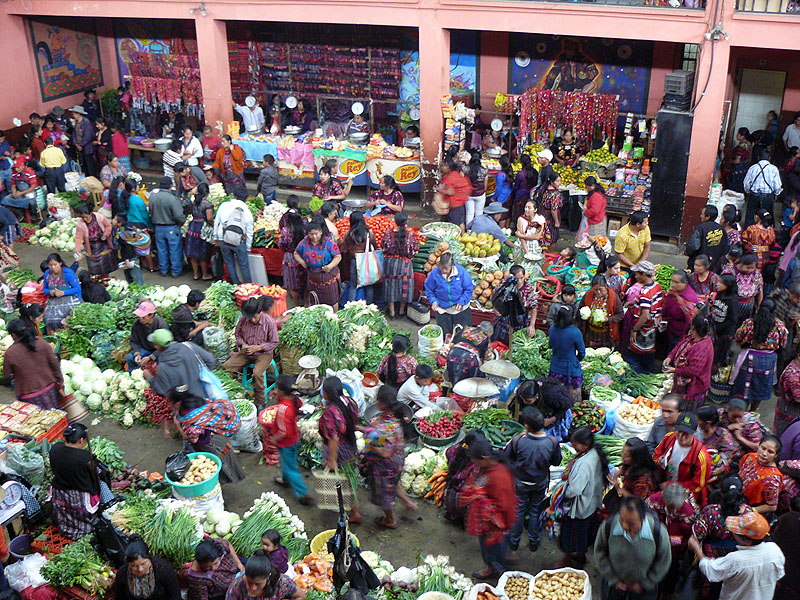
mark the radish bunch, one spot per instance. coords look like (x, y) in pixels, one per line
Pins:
(441, 424)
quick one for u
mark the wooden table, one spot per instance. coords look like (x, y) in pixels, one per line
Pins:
(142, 150)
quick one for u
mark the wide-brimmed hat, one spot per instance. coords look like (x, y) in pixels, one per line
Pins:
(645, 267)
(78, 109)
(495, 208)
(57, 111)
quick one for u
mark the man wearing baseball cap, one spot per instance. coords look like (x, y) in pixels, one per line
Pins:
(147, 321)
(751, 571)
(178, 364)
(641, 351)
(685, 459)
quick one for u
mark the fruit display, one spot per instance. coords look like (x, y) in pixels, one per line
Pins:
(440, 424)
(588, 413)
(582, 178)
(561, 585)
(484, 289)
(568, 175)
(377, 225)
(480, 245)
(200, 468)
(433, 257)
(601, 155)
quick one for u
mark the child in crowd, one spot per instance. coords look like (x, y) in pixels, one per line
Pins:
(268, 180)
(278, 554)
(567, 298)
(92, 291)
(566, 257)
(131, 244)
(789, 214)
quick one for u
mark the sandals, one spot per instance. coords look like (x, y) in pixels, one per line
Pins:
(381, 522)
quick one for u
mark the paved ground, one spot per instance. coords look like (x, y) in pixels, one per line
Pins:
(424, 532)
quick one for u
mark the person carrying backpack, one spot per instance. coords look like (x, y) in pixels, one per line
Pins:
(233, 233)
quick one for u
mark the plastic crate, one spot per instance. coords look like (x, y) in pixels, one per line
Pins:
(679, 82)
(50, 542)
(479, 316)
(54, 433)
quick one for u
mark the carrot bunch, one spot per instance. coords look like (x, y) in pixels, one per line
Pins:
(438, 483)
(314, 572)
(654, 404)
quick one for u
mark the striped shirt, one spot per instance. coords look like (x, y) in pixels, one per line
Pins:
(262, 333)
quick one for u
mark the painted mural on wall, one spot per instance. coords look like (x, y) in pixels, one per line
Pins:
(591, 65)
(463, 64)
(67, 57)
(135, 35)
(409, 80)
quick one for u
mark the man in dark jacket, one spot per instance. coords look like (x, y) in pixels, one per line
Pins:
(184, 327)
(146, 323)
(178, 364)
(708, 238)
(167, 215)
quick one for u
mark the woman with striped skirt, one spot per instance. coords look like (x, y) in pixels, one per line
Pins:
(399, 246)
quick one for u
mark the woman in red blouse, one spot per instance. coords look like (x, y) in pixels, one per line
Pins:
(761, 477)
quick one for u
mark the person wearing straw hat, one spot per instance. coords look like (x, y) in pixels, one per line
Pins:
(488, 222)
(252, 115)
(83, 137)
(753, 569)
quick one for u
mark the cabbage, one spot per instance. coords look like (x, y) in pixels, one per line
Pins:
(108, 375)
(93, 402)
(223, 528)
(66, 367)
(215, 515)
(76, 379)
(86, 388)
(87, 364)
(184, 289)
(99, 386)
(67, 387)
(208, 527)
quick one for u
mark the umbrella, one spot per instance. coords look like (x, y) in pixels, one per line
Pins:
(348, 565)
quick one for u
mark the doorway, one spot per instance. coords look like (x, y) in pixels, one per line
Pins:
(758, 92)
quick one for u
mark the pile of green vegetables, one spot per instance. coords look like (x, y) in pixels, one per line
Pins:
(91, 318)
(486, 417)
(232, 386)
(501, 433)
(640, 384)
(133, 515)
(109, 454)
(244, 407)
(220, 305)
(79, 565)
(19, 277)
(264, 516)
(612, 445)
(173, 535)
(531, 354)
(663, 276)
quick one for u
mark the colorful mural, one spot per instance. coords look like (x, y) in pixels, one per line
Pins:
(409, 80)
(592, 65)
(463, 64)
(134, 35)
(67, 57)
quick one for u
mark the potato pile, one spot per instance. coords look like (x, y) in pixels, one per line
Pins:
(200, 468)
(517, 588)
(638, 414)
(433, 259)
(487, 285)
(558, 586)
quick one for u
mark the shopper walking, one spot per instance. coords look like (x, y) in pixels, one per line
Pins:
(690, 363)
(167, 216)
(566, 341)
(646, 312)
(763, 185)
(399, 247)
(233, 233)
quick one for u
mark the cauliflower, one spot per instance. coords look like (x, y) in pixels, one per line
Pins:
(414, 462)
(407, 480)
(599, 316)
(404, 576)
(125, 384)
(585, 311)
(615, 358)
(371, 558)
(127, 420)
(603, 351)
(420, 485)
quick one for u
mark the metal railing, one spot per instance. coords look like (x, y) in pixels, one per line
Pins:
(668, 4)
(769, 6)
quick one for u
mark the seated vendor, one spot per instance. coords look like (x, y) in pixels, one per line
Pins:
(488, 223)
(468, 352)
(416, 391)
(357, 124)
(76, 495)
(215, 566)
(567, 151)
(328, 188)
(551, 398)
(22, 194)
(387, 200)
(184, 328)
(412, 136)
(146, 323)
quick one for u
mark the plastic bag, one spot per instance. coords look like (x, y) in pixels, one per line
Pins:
(200, 505)
(25, 463)
(216, 341)
(25, 573)
(177, 466)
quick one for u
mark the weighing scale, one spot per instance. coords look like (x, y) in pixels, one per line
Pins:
(476, 388)
(12, 505)
(504, 374)
(308, 381)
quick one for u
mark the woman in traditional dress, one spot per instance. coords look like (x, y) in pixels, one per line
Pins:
(469, 349)
(93, 236)
(702, 279)
(208, 425)
(717, 439)
(459, 470)
(230, 164)
(396, 367)
(740, 160)
(601, 332)
(530, 228)
(76, 492)
(63, 289)
(788, 407)
(552, 398)
(384, 455)
(550, 205)
(566, 341)
(328, 187)
(356, 241)
(399, 246)
(215, 566)
(677, 308)
(749, 283)
(388, 200)
(145, 577)
(198, 245)
(319, 256)
(337, 427)
(637, 475)
(32, 365)
(262, 581)
(759, 238)
(761, 477)
(528, 308)
(690, 362)
(292, 233)
(113, 170)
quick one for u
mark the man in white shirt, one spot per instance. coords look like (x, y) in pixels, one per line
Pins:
(252, 115)
(751, 571)
(762, 185)
(417, 389)
(233, 233)
(791, 135)
(191, 148)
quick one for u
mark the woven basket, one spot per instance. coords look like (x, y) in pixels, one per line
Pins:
(325, 482)
(419, 313)
(289, 358)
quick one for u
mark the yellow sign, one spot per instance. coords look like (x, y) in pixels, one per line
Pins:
(406, 173)
(491, 185)
(351, 167)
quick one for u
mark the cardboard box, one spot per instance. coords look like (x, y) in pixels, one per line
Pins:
(613, 227)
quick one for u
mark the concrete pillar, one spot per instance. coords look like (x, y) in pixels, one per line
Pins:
(215, 73)
(705, 131)
(434, 81)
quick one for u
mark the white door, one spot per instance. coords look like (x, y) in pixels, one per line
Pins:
(759, 92)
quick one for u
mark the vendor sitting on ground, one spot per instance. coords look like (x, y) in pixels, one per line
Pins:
(256, 337)
(208, 426)
(215, 566)
(144, 576)
(416, 391)
(146, 323)
(468, 352)
(76, 496)
(488, 223)
(553, 400)
(184, 328)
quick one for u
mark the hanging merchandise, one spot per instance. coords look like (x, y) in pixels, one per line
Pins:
(586, 114)
(166, 82)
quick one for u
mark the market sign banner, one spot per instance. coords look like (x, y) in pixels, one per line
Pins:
(404, 172)
(491, 185)
(589, 65)
(350, 167)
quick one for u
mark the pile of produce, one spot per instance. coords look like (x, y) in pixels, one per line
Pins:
(517, 587)
(270, 216)
(499, 435)
(663, 276)
(638, 414)
(418, 470)
(568, 175)
(314, 572)
(220, 305)
(612, 445)
(559, 585)
(221, 523)
(426, 251)
(133, 515)
(58, 234)
(433, 258)
(18, 277)
(269, 511)
(91, 318)
(434, 574)
(79, 565)
(84, 379)
(532, 354)
(201, 468)
(109, 454)
(483, 291)
(377, 225)
(588, 413)
(440, 424)
(480, 245)
(29, 420)
(601, 155)
(174, 532)
(438, 483)
(583, 176)
(484, 417)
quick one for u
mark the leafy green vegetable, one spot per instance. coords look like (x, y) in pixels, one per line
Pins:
(172, 535)
(109, 453)
(18, 277)
(244, 407)
(486, 417)
(74, 343)
(78, 565)
(531, 354)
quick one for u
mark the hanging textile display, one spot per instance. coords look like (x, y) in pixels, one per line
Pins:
(544, 111)
(166, 82)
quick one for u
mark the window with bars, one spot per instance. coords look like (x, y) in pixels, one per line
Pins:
(690, 52)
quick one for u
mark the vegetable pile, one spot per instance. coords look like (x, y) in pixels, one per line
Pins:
(558, 586)
(499, 435)
(109, 454)
(270, 512)
(221, 523)
(377, 225)
(638, 414)
(174, 532)
(663, 276)
(418, 470)
(486, 417)
(532, 354)
(314, 573)
(58, 234)
(78, 564)
(517, 588)
(588, 413)
(201, 468)
(440, 424)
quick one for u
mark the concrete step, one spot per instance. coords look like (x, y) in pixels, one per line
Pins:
(663, 247)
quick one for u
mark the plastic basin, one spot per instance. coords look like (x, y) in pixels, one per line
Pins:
(20, 546)
(198, 489)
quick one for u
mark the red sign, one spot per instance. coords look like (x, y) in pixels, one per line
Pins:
(491, 185)
(351, 167)
(406, 173)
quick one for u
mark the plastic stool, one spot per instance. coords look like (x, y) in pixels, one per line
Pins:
(247, 380)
